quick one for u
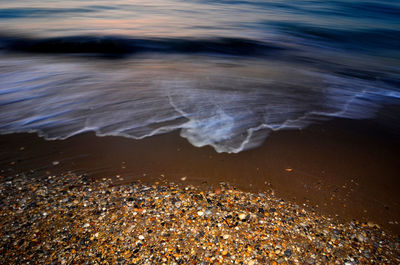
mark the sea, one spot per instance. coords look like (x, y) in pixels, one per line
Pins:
(224, 73)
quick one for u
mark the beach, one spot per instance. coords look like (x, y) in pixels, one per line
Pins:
(199, 132)
(336, 171)
(69, 219)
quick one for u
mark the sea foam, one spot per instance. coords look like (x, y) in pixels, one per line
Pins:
(231, 105)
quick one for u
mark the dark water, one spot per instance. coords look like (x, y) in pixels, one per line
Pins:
(226, 73)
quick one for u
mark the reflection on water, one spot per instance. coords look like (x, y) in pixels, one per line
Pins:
(226, 73)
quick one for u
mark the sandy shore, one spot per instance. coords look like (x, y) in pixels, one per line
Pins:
(343, 169)
(70, 220)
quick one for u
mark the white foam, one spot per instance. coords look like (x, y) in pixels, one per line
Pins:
(229, 108)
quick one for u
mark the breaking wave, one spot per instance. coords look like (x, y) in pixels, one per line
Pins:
(124, 46)
(224, 73)
(231, 105)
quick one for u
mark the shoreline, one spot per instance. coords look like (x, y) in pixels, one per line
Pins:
(332, 167)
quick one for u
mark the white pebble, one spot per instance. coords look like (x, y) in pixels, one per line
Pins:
(242, 216)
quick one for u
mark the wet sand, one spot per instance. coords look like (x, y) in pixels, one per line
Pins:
(343, 169)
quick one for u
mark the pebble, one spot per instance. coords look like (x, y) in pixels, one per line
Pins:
(242, 216)
(252, 262)
(67, 219)
(360, 238)
(288, 253)
(280, 260)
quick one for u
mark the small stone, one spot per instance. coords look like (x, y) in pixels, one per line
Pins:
(183, 178)
(242, 216)
(310, 261)
(288, 253)
(200, 213)
(55, 163)
(226, 236)
(360, 238)
(371, 224)
(141, 237)
(280, 260)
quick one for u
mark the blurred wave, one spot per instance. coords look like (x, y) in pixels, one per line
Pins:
(10, 13)
(225, 73)
(231, 105)
(356, 40)
(113, 45)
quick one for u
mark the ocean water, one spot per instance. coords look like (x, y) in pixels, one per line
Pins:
(225, 73)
